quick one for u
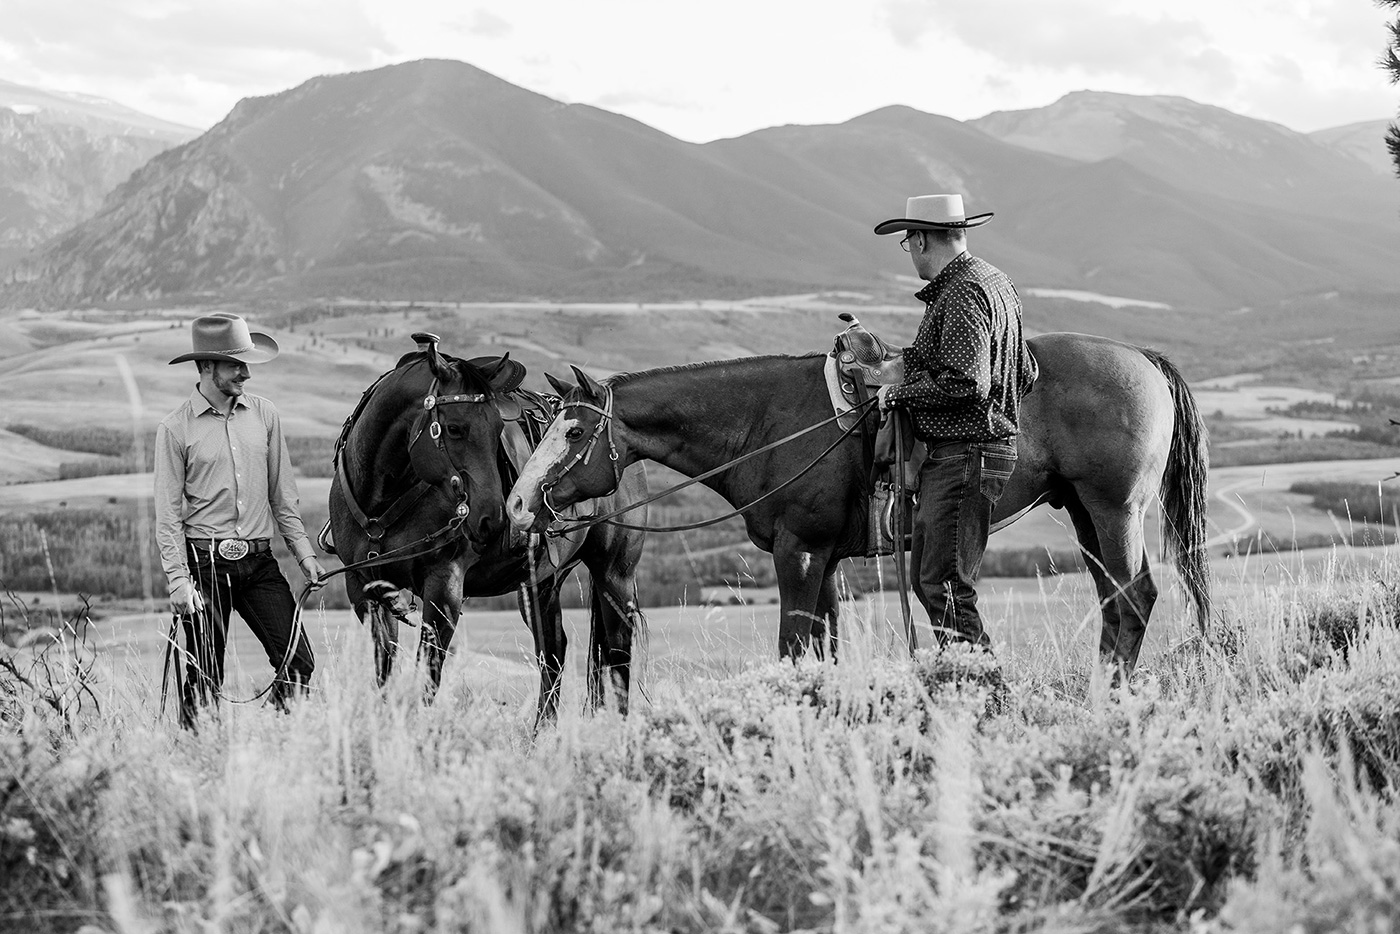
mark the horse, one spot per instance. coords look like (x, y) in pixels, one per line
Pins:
(1107, 428)
(417, 504)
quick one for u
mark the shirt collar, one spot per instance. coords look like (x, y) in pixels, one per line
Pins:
(200, 405)
(929, 293)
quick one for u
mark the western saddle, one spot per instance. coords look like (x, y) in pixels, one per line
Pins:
(863, 363)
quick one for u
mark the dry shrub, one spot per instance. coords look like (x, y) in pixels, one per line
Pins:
(50, 814)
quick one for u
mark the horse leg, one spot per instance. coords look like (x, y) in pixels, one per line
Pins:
(442, 606)
(615, 615)
(1116, 554)
(369, 604)
(824, 628)
(384, 627)
(801, 573)
(539, 605)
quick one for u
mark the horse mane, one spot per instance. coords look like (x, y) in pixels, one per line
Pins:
(618, 379)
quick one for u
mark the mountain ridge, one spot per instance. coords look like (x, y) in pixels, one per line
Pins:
(438, 180)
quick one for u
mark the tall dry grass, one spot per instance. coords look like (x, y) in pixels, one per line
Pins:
(1245, 784)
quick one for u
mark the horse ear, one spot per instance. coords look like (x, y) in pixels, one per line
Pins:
(588, 384)
(559, 385)
(505, 375)
(427, 344)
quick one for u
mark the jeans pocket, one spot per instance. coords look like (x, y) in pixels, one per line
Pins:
(996, 470)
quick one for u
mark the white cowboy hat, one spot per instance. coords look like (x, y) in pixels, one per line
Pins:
(933, 212)
(222, 336)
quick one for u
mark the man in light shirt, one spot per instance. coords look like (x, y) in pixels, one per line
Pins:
(223, 486)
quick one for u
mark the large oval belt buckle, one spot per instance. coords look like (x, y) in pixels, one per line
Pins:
(233, 549)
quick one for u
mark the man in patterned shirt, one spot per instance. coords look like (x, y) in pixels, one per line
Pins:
(223, 484)
(965, 375)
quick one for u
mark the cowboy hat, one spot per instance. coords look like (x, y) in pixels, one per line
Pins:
(933, 212)
(222, 336)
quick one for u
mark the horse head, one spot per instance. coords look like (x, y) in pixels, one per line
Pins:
(454, 438)
(577, 459)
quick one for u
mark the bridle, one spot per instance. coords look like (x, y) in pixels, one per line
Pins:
(376, 527)
(432, 404)
(605, 420)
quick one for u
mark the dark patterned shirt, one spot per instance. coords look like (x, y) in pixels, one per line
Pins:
(968, 367)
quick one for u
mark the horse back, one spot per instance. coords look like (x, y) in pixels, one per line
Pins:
(1099, 419)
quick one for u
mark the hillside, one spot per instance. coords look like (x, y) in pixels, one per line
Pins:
(61, 154)
(1199, 148)
(434, 180)
(1364, 141)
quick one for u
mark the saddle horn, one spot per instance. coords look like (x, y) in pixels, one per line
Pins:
(427, 344)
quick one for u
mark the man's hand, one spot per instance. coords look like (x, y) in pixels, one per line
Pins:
(185, 599)
(313, 571)
(884, 397)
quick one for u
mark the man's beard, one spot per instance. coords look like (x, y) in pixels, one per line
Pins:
(230, 387)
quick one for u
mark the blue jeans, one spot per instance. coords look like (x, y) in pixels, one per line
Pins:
(959, 484)
(255, 587)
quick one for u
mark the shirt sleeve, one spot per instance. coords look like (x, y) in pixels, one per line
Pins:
(170, 503)
(960, 341)
(282, 490)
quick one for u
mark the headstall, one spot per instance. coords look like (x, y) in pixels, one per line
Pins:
(584, 453)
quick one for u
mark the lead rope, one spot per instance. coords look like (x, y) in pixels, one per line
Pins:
(527, 596)
(901, 570)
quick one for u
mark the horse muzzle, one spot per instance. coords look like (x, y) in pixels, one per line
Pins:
(522, 517)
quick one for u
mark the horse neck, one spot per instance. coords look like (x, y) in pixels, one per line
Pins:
(697, 418)
(376, 451)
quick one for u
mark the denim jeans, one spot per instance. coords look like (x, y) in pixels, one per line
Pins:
(959, 484)
(255, 587)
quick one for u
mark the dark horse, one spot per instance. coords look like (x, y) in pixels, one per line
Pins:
(1107, 429)
(420, 481)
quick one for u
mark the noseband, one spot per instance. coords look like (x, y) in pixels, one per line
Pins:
(605, 420)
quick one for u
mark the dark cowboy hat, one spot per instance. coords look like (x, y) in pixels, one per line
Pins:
(933, 212)
(222, 336)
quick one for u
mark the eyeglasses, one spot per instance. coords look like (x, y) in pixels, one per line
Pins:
(904, 244)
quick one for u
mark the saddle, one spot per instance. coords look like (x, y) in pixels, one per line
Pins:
(859, 363)
(865, 358)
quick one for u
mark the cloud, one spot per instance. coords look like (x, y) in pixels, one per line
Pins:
(185, 60)
(238, 42)
(1084, 35)
(628, 100)
(488, 25)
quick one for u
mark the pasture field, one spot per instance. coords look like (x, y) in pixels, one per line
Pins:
(1243, 785)
(1244, 782)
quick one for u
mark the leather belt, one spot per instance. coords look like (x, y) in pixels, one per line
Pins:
(231, 548)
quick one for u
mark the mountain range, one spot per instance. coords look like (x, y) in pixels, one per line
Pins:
(436, 180)
(61, 154)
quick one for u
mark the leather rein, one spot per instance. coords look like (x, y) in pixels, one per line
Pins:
(605, 424)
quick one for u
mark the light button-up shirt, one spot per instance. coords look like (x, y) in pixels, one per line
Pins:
(223, 476)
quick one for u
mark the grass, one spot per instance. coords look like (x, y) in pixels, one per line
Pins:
(1241, 785)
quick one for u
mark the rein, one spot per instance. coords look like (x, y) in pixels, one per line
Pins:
(375, 559)
(609, 518)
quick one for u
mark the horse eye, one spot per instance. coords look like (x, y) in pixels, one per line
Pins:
(455, 431)
(573, 434)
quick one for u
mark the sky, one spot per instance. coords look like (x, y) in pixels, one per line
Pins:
(721, 68)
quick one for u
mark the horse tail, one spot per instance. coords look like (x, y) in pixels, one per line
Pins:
(1183, 491)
